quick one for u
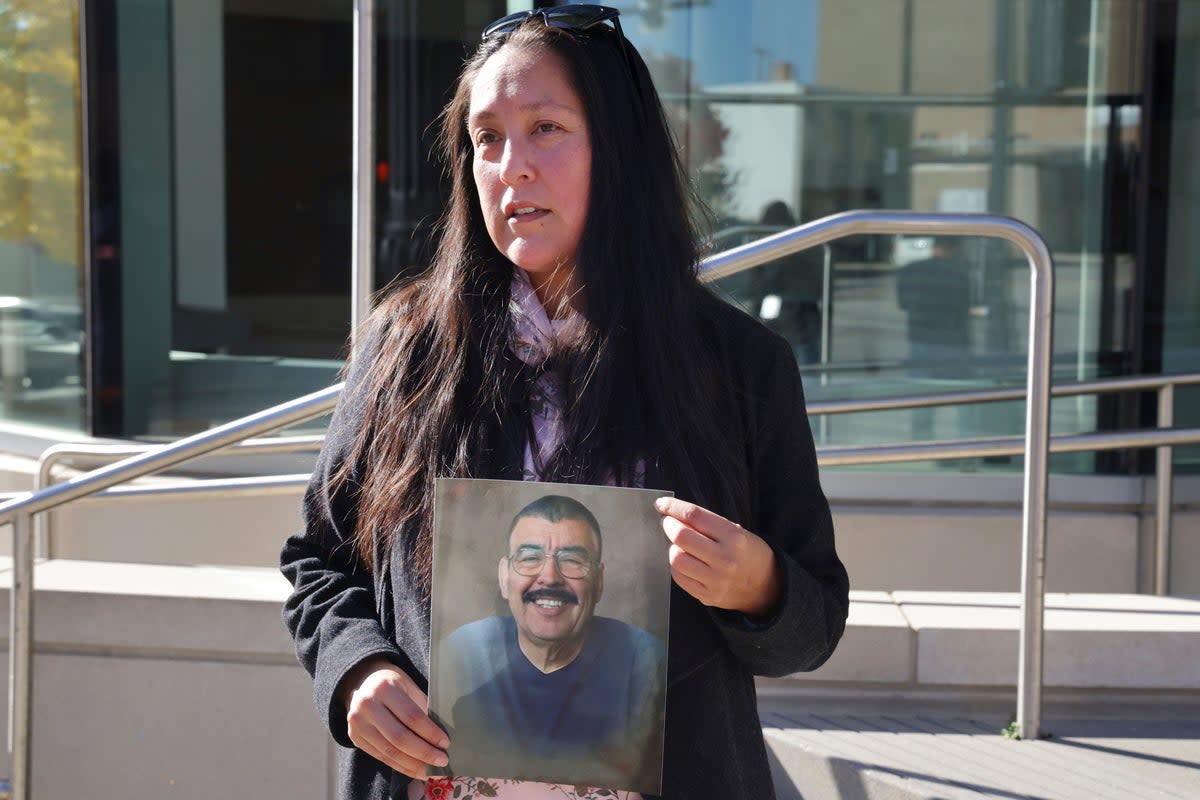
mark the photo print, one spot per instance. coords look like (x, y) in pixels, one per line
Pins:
(549, 630)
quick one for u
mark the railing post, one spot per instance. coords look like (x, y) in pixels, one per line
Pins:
(1037, 447)
(362, 227)
(1164, 478)
(826, 326)
(20, 656)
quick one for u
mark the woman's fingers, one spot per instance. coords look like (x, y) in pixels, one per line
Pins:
(402, 748)
(717, 561)
(697, 518)
(689, 585)
(401, 763)
(684, 564)
(410, 706)
(387, 720)
(691, 541)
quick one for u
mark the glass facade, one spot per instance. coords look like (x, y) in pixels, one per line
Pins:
(1181, 297)
(221, 136)
(217, 143)
(788, 112)
(791, 112)
(220, 151)
(41, 222)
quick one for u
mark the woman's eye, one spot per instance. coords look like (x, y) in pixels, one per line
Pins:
(546, 127)
(485, 137)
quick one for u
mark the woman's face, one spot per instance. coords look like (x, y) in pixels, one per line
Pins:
(532, 163)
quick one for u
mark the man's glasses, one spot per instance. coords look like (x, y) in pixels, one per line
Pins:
(572, 563)
(575, 18)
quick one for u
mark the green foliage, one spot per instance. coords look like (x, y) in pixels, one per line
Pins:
(1011, 730)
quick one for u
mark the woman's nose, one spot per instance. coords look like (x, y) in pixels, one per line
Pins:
(515, 165)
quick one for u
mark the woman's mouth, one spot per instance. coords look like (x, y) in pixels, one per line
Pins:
(527, 214)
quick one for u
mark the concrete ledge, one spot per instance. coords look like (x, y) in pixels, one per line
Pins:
(902, 639)
(215, 612)
(168, 681)
(935, 640)
(1109, 641)
(878, 645)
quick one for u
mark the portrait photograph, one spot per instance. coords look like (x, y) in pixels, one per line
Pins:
(549, 632)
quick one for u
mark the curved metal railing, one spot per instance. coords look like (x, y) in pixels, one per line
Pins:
(1037, 389)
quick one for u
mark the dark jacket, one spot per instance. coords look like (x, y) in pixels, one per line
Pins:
(340, 615)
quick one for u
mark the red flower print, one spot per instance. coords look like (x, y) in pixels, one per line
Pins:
(439, 789)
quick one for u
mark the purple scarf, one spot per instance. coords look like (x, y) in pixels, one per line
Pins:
(533, 339)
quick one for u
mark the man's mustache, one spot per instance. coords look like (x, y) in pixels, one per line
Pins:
(562, 595)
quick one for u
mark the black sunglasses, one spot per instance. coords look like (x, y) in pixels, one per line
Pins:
(575, 18)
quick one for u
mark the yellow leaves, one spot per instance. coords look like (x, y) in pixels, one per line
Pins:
(39, 131)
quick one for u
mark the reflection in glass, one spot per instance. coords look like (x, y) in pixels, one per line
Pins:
(40, 225)
(788, 111)
(1181, 333)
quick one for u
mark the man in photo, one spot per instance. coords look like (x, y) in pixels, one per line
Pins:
(552, 691)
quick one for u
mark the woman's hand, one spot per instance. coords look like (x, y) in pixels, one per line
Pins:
(719, 562)
(387, 719)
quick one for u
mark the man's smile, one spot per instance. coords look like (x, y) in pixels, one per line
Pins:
(550, 598)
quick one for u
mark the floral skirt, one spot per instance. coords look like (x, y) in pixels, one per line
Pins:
(476, 788)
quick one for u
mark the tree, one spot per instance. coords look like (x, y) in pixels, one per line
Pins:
(40, 190)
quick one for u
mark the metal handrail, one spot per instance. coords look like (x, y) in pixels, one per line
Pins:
(20, 511)
(212, 488)
(1163, 438)
(1164, 471)
(902, 402)
(1003, 446)
(284, 415)
(99, 454)
(1037, 410)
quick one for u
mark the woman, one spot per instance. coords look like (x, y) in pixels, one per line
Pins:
(561, 334)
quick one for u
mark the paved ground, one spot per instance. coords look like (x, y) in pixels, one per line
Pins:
(901, 754)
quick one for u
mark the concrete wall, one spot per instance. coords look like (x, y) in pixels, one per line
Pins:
(157, 682)
(941, 532)
(1184, 558)
(244, 531)
(893, 548)
(884, 548)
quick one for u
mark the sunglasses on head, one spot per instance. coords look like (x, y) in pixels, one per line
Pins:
(574, 18)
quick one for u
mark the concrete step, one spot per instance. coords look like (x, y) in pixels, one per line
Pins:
(189, 667)
(185, 672)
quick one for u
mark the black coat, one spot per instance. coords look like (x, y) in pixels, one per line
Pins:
(340, 615)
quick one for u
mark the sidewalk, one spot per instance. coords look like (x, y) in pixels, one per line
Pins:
(902, 753)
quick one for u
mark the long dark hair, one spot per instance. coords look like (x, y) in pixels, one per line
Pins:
(639, 388)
